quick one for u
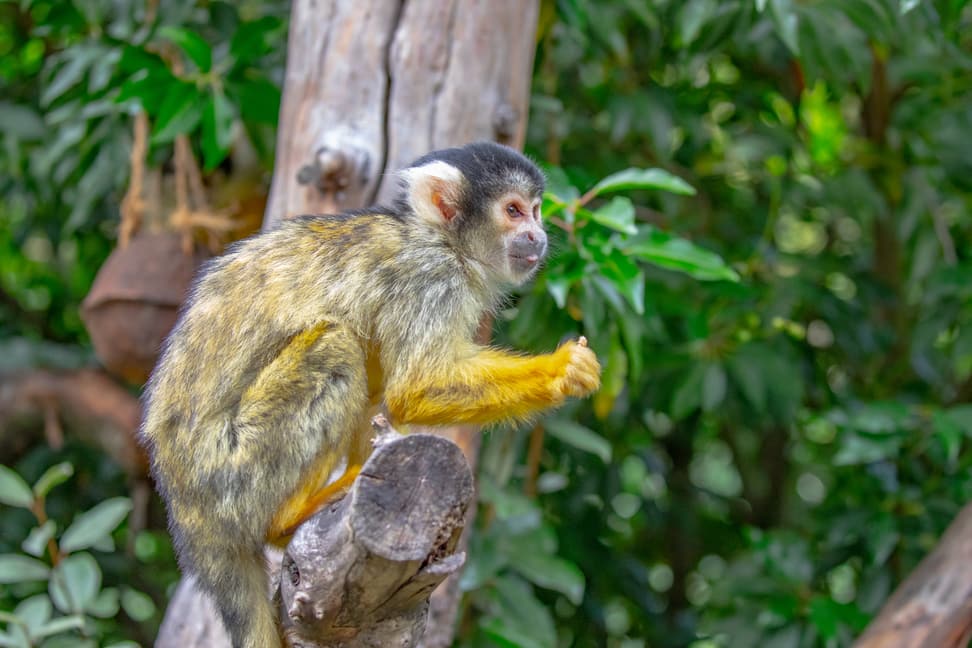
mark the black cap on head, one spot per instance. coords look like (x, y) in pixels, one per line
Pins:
(491, 170)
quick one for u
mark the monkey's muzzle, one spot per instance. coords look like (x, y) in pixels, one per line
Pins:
(527, 249)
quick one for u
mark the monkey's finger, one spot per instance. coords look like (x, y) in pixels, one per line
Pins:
(582, 341)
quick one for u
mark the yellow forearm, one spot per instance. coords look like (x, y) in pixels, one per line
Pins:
(490, 386)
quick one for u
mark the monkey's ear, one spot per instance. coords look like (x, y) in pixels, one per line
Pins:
(434, 191)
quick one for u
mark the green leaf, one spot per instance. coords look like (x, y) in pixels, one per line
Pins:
(34, 612)
(20, 121)
(137, 605)
(580, 437)
(180, 113)
(521, 620)
(619, 215)
(949, 434)
(217, 134)
(961, 415)
(904, 6)
(15, 568)
(89, 527)
(102, 71)
(36, 541)
(748, 376)
(519, 512)
(258, 99)
(694, 14)
(152, 89)
(787, 24)
(253, 40)
(59, 625)
(71, 73)
(634, 178)
(626, 278)
(827, 614)
(483, 563)
(688, 396)
(74, 583)
(53, 476)
(14, 491)
(559, 287)
(613, 379)
(105, 605)
(552, 573)
(673, 253)
(856, 449)
(713, 387)
(136, 59)
(194, 47)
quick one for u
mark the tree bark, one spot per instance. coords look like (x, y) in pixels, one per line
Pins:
(370, 86)
(933, 606)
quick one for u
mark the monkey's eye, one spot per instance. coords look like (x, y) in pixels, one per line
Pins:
(512, 210)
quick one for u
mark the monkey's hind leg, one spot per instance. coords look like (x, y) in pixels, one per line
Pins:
(338, 402)
(299, 508)
(310, 500)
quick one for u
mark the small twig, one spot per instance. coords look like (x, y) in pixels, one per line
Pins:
(944, 238)
(53, 432)
(534, 454)
(37, 508)
(562, 224)
(133, 204)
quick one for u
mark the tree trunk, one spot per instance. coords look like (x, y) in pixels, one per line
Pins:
(370, 86)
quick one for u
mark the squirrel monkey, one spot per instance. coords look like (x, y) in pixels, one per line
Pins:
(291, 341)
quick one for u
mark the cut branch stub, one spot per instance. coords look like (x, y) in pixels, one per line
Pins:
(506, 121)
(334, 169)
(359, 573)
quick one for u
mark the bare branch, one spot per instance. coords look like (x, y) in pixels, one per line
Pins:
(933, 606)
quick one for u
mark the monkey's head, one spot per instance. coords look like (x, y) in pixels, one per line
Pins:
(485, 198)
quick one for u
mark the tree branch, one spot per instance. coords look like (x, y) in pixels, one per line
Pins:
(89, 402)
(933, 606)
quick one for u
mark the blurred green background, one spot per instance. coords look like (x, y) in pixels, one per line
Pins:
(784, 314)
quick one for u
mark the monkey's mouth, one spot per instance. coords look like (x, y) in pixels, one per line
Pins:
(522, 263)
(528, 259)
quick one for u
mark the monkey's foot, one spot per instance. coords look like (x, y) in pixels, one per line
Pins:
(384, 432)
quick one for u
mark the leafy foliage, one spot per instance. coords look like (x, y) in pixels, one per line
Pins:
(72, 75)
(785, 447)
(57, 583)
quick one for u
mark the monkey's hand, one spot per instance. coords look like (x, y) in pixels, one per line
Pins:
(581, 372)
(494, 385)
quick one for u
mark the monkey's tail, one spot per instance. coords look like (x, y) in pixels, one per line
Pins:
(236, 579)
